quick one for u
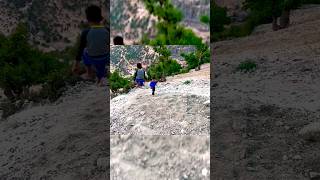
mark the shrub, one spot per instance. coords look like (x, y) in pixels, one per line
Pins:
(118, 82)
(247, 66)
(205, 19)
(21, 65)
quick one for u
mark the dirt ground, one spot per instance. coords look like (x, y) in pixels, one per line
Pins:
(260, 118)
(64, 140)
(159, 157)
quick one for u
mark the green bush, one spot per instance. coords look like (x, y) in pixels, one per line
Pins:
(247, 66)
(164, 68)
(205, 19)
(169, 31)
(118, 82)
(197, 58)
(21, 65)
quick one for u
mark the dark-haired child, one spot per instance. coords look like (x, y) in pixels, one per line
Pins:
(153, 85)
(94, 46)
(118, 40)
(140, 75)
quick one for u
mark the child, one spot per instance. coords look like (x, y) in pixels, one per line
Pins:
(139, 75)
(153, 84)
(118, 40)
(94, 46)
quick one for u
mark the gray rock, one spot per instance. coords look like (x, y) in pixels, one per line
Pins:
(314, 175)
(311, 132)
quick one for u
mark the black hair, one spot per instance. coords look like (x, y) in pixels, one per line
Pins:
(118, 40)
(139, 66)
(93, 14)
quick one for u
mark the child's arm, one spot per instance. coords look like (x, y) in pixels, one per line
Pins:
(135, 75)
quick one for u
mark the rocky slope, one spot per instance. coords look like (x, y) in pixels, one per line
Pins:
(53, 24)
(130, 19)
(263, 120)
(160, 157)
(64, 140)
(181, 106)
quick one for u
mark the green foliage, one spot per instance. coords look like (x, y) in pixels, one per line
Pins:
(186, 82)
(195, 59)
(218, 18)
(118, 82)
(205, 19)
(169, 31)
(164, 66)
(21, 65)
(247, 66)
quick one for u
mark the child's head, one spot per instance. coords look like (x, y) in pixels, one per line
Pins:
(118, 40)
(94, 14)
(139, 66)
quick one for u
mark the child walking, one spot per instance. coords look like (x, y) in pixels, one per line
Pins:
(94, 46)
(139, 75)
(153, 84)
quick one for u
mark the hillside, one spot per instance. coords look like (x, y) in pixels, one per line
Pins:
(64, 140)
(260, 118)
(53, 24)
(130, 19)
(181, 106)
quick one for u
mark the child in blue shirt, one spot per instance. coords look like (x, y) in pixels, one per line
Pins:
(153, 84)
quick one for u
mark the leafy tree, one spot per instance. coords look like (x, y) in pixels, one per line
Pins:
(272, 10)
(196, 59)
(219, 18)
(169, 31)
(21, 65)
(164, 66)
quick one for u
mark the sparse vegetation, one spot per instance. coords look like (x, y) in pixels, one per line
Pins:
(247, 66)
(187, 82)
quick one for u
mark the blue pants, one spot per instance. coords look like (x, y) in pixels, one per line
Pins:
(140, 82)
(98, 62)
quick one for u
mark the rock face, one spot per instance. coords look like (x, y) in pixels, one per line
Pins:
(234, 8)
(53, 24)
(125, 58)
(130, 19)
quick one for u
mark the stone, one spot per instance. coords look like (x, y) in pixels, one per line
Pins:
(311, 132)
(314, 175)
(103, 163)
(204, 172)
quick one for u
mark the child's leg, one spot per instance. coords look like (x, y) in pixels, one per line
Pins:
(153, 90)
(100, 70)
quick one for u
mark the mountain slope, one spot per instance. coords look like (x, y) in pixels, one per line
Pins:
(180, 106)
(53, 24)
(64, 140)
(258, 116)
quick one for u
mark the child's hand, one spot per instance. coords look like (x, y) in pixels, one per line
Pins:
(76, 67)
